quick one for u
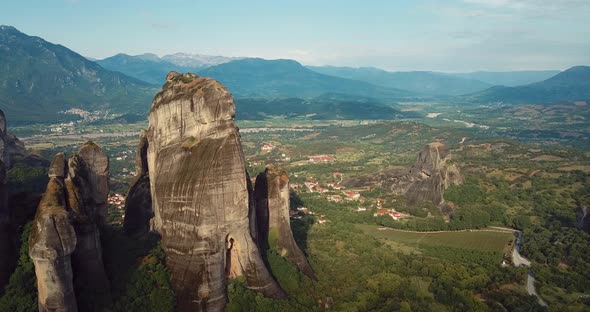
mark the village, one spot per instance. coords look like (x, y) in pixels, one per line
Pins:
(332, 189)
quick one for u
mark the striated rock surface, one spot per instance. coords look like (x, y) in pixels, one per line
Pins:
(200, 193)
(272, 217)
(65, 241)
(138, 205)
(425, 181)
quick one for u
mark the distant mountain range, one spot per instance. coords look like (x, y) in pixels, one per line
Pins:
(509, 78)
(255, 77)
(423, 82)
(153, 69)
(570, 85)
(39, 79)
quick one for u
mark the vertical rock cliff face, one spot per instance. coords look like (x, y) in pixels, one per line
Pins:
(200, 194)
(272, 216)
(10, 147)
(425, 181)
(65, 240)
(7, 249)
(138, 206)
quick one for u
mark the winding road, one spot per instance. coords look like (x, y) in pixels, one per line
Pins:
(519, 260)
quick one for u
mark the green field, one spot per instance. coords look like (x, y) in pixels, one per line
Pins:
(474, 240)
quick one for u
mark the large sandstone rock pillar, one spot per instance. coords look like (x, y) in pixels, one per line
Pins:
(200, 195)
(272, 215)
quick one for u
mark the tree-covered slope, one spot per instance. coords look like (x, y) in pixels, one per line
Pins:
(39, 79)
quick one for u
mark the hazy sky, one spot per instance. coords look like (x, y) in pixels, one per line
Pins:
(454, 35)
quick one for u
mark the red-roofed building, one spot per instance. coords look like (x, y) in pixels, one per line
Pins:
(321, 158)
(267, 147)
(352, 195)
(334, 198)
(381, 212)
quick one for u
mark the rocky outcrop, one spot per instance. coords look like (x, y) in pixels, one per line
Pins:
(200, 194)
(65, 241)
(10, 145)
(272, 218)
(138, 205)
(425, 181)
(87, 186)
(51, 244)
(583, 219)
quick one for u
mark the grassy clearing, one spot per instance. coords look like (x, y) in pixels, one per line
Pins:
(474, 240)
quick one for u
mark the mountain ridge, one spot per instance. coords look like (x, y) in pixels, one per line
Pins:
(424, 82)
(570, 85)
(38, 79)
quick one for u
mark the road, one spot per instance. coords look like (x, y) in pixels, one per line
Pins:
(519, 260)
(530, 288)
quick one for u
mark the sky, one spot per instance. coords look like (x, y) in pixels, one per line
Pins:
(397, 35)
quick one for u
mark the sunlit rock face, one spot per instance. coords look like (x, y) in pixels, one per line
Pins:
(272, 217)
(200, 194)
(432, 173)
(65, 239)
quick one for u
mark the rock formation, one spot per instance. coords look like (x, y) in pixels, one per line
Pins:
(52, 243)
(10, 147)
(7, 248)
(138, 205)
(65, 240)
(272, 217)
(425, 181)
(200, 194)
(583, 219)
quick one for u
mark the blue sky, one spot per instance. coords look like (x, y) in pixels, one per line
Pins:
(454, 35)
